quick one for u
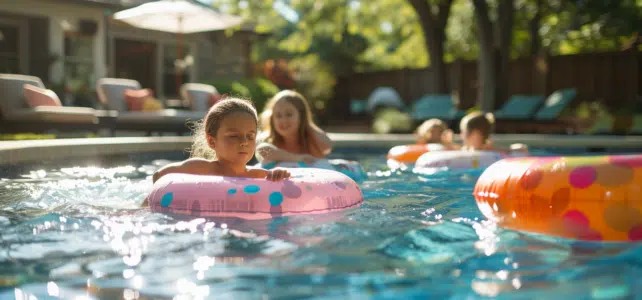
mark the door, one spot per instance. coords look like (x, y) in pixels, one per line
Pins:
(136, 60)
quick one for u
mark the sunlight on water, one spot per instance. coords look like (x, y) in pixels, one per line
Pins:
(77, 232)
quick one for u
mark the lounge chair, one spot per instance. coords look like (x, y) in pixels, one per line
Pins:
(436, 106)
(18, 116)
(111, 92)
(547, 117)
(199, 97)
(519, 107)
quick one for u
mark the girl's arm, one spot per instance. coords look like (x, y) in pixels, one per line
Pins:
(266, 152)
(195, 166)
(321, 139)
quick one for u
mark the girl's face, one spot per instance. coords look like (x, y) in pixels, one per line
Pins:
(286, 118)
(435, 135)
(235, 140)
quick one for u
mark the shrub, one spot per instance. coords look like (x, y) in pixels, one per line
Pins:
(259, 90)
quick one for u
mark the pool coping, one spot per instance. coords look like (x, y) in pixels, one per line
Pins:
(14, 152)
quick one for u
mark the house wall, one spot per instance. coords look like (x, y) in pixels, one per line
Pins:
(59, 15)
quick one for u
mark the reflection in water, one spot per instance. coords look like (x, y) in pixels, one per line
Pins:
(79, 233)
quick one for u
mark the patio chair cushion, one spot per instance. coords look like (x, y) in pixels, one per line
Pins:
(55, 114)
(555, 104)
(135, 99)
(435, 106)
(519, 107)
(12, 91)
(110, 92)
(200, 97)
(36, 96)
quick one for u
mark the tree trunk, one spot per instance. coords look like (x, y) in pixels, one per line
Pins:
(533, 28)
(486, 70)
(434, 33)
(505, 23)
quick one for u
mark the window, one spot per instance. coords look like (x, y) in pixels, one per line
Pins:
(9, 49)
(170, 80)
(79, 60)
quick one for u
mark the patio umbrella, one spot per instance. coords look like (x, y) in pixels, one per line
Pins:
(177, 16)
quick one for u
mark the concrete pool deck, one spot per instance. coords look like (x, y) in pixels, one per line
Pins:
(29, 151)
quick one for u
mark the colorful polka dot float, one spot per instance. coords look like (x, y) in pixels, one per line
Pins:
(596, 198)
(306, 191)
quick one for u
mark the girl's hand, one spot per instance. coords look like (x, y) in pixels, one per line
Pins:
(307, 158)
(277, 174)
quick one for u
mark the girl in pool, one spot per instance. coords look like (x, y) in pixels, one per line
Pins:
(224, 143)
(289, 133)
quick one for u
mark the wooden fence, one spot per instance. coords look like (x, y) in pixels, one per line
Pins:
(613, 78)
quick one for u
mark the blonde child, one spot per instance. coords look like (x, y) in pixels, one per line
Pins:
(476, 128)
(289, 133)
(435, 131)
(224, 143)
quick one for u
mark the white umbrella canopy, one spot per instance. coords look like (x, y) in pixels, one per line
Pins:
(177, 16)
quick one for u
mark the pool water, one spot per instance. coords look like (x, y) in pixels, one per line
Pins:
(78, 232)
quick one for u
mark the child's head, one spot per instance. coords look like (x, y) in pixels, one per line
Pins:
(431, 131)
(228, 132)
(476, 128)
(287, 116)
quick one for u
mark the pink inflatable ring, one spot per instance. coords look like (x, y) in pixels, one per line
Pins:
(308, 191)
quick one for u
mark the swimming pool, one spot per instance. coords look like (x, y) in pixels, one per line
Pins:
(77, 232)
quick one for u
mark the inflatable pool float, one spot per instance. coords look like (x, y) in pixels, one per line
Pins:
(433, 162)
(350, 168)
(307, 191)
(587, 198)
(406, 155)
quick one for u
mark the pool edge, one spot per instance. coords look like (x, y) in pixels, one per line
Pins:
(13, 152)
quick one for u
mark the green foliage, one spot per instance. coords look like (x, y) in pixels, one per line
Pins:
(390, 120)
(258, 90)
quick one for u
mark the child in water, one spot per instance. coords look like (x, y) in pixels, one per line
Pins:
(475, 133)
(289, 134)
(435, 131)
(224, 143)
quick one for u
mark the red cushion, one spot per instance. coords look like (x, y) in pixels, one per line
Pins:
(135, 99)
(36, 96)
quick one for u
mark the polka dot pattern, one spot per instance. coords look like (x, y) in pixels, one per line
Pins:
(622, 217)
(635, 234)
(231, 191)
(613, 175)
(251, 189)
(587, 198)
(531, 179)
(290, 190)
(582, 177)
(167, 199)
(276, 198)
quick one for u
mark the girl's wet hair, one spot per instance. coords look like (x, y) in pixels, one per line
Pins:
(300, 104)
(212, 122)
(485, 123)
(424, 130)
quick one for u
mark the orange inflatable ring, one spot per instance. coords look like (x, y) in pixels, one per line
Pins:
(410, 153)
(587, 198)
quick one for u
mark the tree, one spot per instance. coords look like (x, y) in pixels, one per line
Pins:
(495, 51)
(433, 25)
